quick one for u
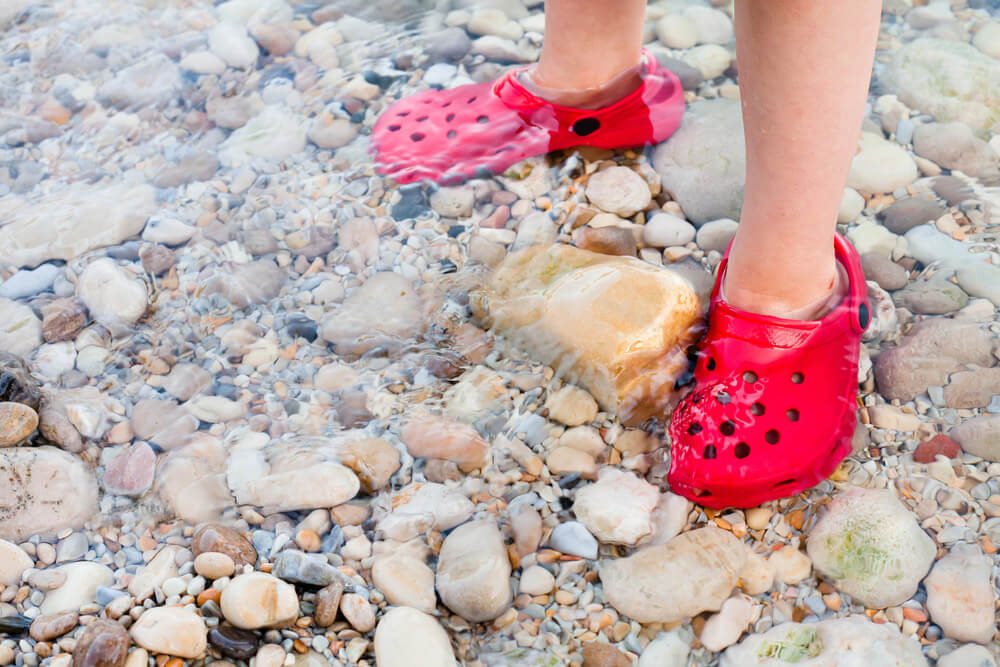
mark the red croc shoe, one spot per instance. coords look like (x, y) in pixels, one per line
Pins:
(773, 407)
(450, 135)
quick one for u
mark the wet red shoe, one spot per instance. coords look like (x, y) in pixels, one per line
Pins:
(773, 408)
(451, 135)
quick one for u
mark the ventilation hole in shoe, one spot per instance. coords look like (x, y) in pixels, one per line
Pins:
(741, 450)
(483, 119)
(417, 136)
(749, 377)
(450, 117)
(757, 409)
(695, 398)
(395, 128)
(798, 378)
(470, 100)
(586, 126)
(502, 150)
(446, 104)
(710, 364)
(785, 482)
(772, 436)
(694, 428)
(727, 428)
(403, 114)
(709, 452)
(703, 494)
(452, 134)
(422, 119)
(723, 398)
(793, 415)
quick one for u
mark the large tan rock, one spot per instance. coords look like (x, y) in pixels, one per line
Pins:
(43, 490)
(616, 325)
(694, 572)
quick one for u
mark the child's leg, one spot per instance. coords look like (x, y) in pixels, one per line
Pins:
(804, 68)
(589, 42)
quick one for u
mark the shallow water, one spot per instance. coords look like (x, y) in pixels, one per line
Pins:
(190, 223)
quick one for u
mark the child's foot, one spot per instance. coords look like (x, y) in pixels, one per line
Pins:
(773, 408)
(450, 135)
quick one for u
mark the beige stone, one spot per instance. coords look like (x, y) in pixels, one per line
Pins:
(438, 438)
(177, 631)
(571, 406)
(409, 638)
(405, 581)
(566, 460)
(694, 572)
(258, 600)
(13, 562)
(616, 325)
(44, 489)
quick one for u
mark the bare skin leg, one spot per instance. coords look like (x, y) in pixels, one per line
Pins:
(804, 72)
(588, 43)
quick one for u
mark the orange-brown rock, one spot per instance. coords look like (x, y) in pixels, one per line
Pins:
(616, 325)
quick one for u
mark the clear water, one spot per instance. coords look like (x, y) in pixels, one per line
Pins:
(269, 233)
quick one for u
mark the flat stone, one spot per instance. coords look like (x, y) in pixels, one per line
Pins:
(694, 572)
(979, 436)
(624, 356)
(838, 641)
(667, 650)
(880, 166)
(153, 574)
(927, 356)
(960, 595)
(937, 296)
(970, 655)
(80, 588)
(162, 422)
(21, 330)
(904, 214)
(299, 567)
(358, 612)
(954, 146)
(889, 275)
(273, 133)
(950, 80)
(618, 508)
(872, 547)
(130, 472)
(664, 230)
(38, 231)
(112, 294)
(972, 389)
(573, 538)
(385, 312)
(419, 507)
(439, 438)
(154, 81)
(618, 190)
(716, 235)
(939, 445)
(222, 539)
(13, 562)
(175, 631)
(599, 654)
(405, 581)
(45, 628)
(407, 637)
(44, 490)
(702, 164)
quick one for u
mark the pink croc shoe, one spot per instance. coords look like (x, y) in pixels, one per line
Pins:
(451, 135)
(773, 407)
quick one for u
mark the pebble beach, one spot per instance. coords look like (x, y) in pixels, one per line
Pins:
(261, 406)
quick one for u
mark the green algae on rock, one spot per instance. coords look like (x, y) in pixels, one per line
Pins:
(616, 325)
(872, 546)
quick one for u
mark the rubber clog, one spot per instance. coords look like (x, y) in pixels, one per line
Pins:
(452, 135)
(773, 408)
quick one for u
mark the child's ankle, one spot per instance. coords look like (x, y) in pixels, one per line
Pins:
(594, 97)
